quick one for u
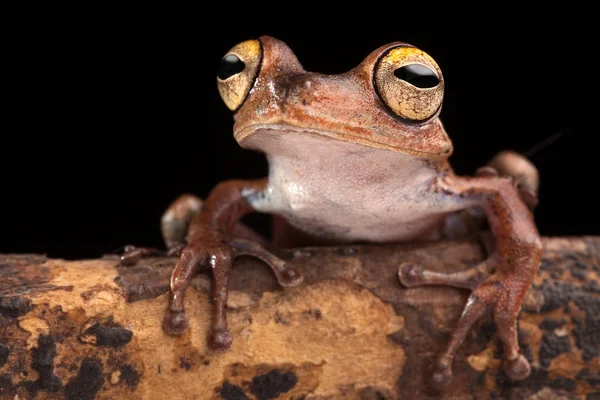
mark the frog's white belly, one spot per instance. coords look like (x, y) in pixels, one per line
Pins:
(353, 216)
(349, 192)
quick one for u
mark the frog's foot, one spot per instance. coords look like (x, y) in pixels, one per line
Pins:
(286, 275)
(218, 255)
(132, 254)
(496, 292)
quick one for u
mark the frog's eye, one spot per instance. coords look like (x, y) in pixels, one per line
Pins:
(238, 71)
(410, 83)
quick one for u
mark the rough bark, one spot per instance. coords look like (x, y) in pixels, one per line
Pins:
(88, 329)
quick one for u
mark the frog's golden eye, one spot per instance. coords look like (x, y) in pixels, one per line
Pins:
(410, 83)
(238, 71)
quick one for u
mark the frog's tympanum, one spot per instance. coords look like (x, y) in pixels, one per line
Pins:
(357, 157)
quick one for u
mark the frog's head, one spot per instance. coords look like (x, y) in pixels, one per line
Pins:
(391, 100)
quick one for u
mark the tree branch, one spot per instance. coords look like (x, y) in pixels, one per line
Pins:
(88, 329)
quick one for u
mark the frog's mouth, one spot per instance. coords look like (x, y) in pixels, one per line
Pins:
(251, 137)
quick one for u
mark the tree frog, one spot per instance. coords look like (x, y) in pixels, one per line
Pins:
(356, 157)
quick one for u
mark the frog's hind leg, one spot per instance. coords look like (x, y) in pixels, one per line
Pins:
(174, 224)
(176, 220)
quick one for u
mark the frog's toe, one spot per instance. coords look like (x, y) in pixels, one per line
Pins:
(220, 339)
(176, 250)
(175, 323)
(291, 277)
(442, 375)
(132, 254)
(410, 275)
(517, 369)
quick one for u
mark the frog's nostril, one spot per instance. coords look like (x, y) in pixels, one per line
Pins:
(230, 65)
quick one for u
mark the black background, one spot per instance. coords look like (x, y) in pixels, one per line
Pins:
(111, 112)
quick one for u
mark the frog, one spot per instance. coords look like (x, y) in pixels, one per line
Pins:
(354, 157)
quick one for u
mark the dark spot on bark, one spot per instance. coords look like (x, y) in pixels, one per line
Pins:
(557, 295)
(547, 265)
(585, 374)
(272, 384)
(561, 383)
(206, 362)
(88, 381)
(14, 306)
(521, 389)
(282, 319)
(184, 363)
(579, 274)
(6, 386)
(42, 361)
(232, 392)
(314, 313)
(550, 324)
(109, 334)
(527, 352)
(552, 346)
(94, 290)
(371, 393)
(567, 309)
(4, 352)
(129, 376)
(592, 287)
(487, 331)
(477, 382)
(587, 333)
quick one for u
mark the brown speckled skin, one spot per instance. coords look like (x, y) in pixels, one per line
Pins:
(344, 113)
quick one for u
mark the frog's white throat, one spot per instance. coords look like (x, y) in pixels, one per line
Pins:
(347, 190)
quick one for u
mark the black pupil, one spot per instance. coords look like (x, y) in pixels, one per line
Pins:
(230, 65)
(418, 75)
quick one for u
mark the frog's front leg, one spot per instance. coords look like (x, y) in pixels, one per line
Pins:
(174, 225)
(213, 243)
(501, 281)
